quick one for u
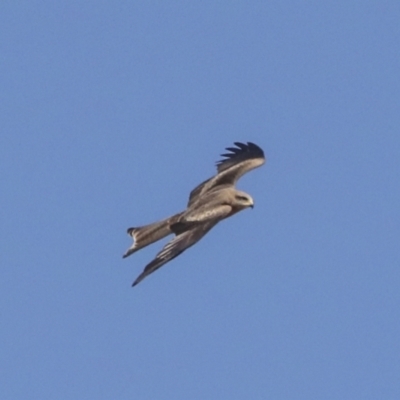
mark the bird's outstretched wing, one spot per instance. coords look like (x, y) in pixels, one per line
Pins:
(175, 247)
(240, 159)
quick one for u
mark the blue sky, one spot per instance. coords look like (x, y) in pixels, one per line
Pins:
(112, 112)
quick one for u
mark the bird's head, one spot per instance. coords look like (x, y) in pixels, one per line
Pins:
(243, 200)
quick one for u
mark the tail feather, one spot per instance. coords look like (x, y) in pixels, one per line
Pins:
(129, 231)
(147, 234)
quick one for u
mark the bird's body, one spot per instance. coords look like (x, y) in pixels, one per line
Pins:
(210, 202)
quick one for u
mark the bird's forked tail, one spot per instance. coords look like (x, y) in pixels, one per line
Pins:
(147, 234)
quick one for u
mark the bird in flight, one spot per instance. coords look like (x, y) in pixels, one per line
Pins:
(209, 203)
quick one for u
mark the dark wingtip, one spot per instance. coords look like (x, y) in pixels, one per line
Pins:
(130, 251)
(136, 282)
(242, 151)
(243, 148)
(139, 278)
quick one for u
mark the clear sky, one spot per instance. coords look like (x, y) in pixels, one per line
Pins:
(112, 111)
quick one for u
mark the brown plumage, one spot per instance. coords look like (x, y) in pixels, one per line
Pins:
(210, 202)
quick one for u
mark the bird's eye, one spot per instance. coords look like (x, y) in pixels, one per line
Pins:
(242, 198)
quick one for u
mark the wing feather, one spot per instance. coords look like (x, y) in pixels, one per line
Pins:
(237, 155)
(241, 159)
(175, 247)
(201, 215)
